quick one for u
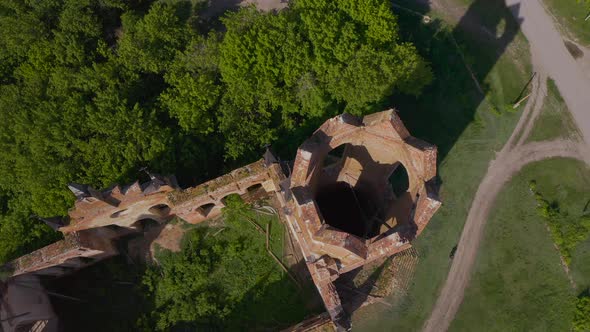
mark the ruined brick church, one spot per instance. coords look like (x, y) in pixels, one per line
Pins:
(336, 199)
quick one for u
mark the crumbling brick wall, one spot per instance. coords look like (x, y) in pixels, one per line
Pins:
(375, 147)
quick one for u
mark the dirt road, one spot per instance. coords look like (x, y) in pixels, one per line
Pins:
(550, 58)
(548, 47)
(499, 173)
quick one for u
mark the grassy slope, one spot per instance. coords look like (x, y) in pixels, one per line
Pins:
(571, 15)
(452, 115)
(555, 120)
(518, 283)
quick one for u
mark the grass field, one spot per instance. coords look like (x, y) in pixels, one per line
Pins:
(555, 120)
(467, 130)
(519, 283)
(571, 14)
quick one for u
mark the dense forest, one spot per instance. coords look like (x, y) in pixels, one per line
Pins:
(93, 90)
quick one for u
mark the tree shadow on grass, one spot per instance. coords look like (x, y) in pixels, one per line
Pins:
(444, 110)
(461, 57)
(270, 307)
(112, 299)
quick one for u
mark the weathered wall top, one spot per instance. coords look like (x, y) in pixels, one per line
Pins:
(345, 210)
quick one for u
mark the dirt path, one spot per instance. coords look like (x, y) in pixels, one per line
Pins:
(550, 58)
(547, 46)
(218, 7)
(500, 171)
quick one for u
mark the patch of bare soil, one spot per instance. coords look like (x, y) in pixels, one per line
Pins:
(219, 7)
(169, 238)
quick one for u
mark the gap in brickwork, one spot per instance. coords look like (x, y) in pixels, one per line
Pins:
(399, 180)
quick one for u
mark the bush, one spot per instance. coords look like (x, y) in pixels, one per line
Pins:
(566, 230)
(582, 313)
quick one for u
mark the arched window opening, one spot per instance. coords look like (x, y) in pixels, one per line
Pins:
(399, 180)
(334, 156)
(206, 209)
(253, 188)
(145, 224)
(160, 209)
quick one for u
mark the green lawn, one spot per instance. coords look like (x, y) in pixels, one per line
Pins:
(555, 120)
(580, 268)
(453, 115)
(518, 282)
(570, 15)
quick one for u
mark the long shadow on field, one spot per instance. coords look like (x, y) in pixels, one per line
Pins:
(448, 105)
(461, 58)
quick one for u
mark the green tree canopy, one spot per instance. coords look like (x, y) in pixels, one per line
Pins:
(91, 91)
(316, 60)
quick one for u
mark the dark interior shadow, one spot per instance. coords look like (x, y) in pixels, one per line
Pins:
(364, 209)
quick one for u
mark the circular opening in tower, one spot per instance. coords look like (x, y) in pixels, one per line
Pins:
(344, 207)
(349, 190)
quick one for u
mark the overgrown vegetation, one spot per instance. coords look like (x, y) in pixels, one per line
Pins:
(91, 91)
(567, 230)
(223, 279)
(582, 314)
